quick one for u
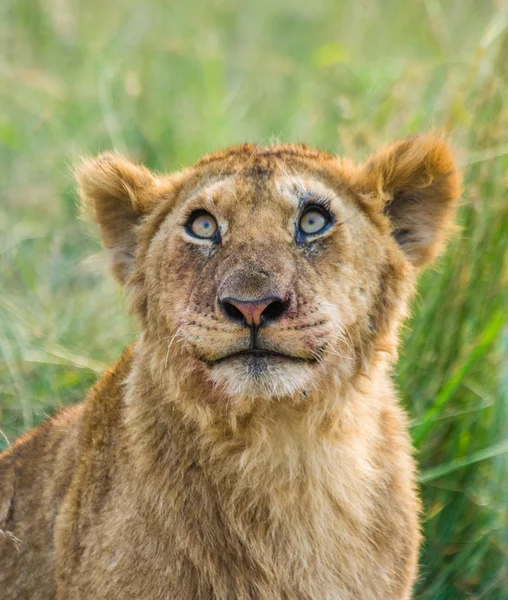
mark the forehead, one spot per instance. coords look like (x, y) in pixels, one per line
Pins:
(284, 175)
(281, 190)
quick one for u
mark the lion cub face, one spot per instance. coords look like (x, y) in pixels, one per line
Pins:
(269, 271)
(264, 276)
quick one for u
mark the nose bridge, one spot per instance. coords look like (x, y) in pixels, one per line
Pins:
(255, 271)
(248, 282)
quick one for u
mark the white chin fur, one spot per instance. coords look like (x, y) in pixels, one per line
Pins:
(275, 379)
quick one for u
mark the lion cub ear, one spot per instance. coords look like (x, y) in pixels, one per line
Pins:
(118, 194)
(416, 184)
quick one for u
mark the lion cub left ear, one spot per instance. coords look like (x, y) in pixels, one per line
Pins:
(118, 194)
(415, 183)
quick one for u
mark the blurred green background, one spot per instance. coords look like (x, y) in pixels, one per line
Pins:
(165, 82)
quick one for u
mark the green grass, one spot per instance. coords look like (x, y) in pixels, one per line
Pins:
(165, 82)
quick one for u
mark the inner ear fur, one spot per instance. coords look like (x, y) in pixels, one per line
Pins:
(117, 194)
(415, 183)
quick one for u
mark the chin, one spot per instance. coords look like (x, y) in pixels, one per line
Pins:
(262, 377)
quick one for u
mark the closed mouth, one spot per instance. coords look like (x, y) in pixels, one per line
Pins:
(261, 353)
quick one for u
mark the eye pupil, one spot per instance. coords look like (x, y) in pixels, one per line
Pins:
(202, 225)
(313, 221)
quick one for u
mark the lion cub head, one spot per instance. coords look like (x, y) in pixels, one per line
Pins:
(266, 273)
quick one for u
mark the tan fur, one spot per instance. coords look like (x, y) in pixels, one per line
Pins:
(187, 476)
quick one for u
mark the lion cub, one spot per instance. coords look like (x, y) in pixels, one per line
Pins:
(250, 445)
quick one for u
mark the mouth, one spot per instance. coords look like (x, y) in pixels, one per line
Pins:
(261, 354)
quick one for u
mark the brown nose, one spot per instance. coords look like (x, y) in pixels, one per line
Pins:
(253, 313)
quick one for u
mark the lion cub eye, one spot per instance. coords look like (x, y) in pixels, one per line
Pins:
(313, 221)
(202, 225)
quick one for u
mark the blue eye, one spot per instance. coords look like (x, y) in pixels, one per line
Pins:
(313, 221)
(202, 225)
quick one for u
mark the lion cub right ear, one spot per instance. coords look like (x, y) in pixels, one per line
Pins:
(415, 184)
(118, 194)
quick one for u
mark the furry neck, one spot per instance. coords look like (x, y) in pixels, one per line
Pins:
(281, 441)
(288, 485)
